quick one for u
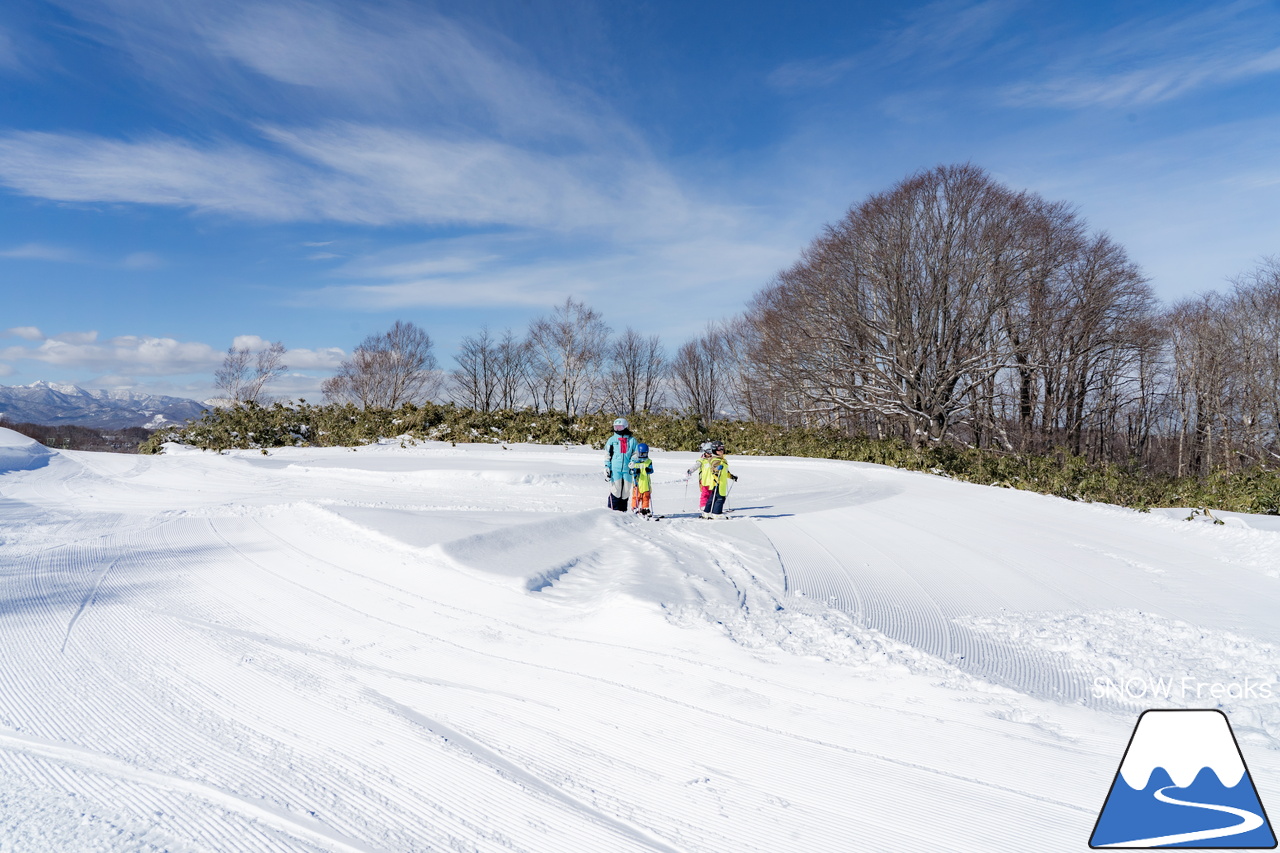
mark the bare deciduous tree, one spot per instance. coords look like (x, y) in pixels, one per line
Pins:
(475, 379)
(701, 373)
(566, 351)
(951, 303)
(241, 383)
(893, 310)
(511, 370)
(230, 379)
(637, 366)
(388, 370)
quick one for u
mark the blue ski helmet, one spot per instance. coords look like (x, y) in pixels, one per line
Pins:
(620, 424)
(642, 449)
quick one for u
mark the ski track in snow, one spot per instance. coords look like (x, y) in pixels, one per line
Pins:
(449, 648)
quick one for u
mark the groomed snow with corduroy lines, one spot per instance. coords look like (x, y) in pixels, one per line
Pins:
(426, 647)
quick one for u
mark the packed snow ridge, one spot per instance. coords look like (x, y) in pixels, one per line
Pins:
(414, 646)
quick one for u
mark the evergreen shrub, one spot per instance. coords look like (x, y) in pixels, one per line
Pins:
(251, 426)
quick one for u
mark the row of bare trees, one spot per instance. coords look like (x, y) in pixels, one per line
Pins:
(948, 308)
(1225, 374)
(567, 361)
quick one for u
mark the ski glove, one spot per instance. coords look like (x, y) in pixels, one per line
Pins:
(733, 477)
(608, 477)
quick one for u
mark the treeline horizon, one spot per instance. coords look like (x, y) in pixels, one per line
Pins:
(947, 310)
(76, 437)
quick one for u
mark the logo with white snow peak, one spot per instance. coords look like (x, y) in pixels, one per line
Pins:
(1183, 783)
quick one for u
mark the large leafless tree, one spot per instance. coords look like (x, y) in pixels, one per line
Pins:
(701, 373)
(474, 381)
(951, 303)
(566, 352)
(388, 370)
(894, 310)
(637, 366)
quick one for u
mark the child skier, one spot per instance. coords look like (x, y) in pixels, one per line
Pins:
(718, 477)
(617, 467)
(701, 467)
(641, 469)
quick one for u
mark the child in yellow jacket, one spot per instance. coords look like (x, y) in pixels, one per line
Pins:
(716, 476)
(641, 468)
(702, 467)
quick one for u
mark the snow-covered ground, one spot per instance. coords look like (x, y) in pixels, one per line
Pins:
(413, 648)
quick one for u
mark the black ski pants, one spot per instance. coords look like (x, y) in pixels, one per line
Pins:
(715, 503)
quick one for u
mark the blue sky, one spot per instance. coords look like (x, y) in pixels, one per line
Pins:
(179, 176)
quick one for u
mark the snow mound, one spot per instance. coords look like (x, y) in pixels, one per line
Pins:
(538, 553)
(19, 453)
(813, 630)
(1137, 660)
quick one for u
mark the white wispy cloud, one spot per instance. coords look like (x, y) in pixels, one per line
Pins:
(1152, 60)
(944, 33)
(355, 59)
(145, 355)
(934, 37)
(349, 174)
(811, 73)
(672, 285)
(395, 57)
(142, 261)
(9, 56)
(160, 171)
(400, 176)
(396, 114)
(42, 252)
(67, 255)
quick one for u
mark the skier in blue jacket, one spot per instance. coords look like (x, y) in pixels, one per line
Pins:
(621, 448)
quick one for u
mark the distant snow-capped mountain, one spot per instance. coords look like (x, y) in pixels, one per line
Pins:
(57, 405)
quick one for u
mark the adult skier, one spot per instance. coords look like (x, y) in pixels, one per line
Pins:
(621, 448)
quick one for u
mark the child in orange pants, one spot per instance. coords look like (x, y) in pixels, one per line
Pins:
(641, 469)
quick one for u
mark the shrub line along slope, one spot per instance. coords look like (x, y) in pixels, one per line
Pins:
(1255, 490)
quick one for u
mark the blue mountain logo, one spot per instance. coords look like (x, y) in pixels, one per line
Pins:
(1183, 783)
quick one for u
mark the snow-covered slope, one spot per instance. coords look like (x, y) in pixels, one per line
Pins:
(55, 405)
(456, 648)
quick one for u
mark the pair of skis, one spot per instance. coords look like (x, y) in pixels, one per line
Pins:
(726, 494)
(690, 516)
